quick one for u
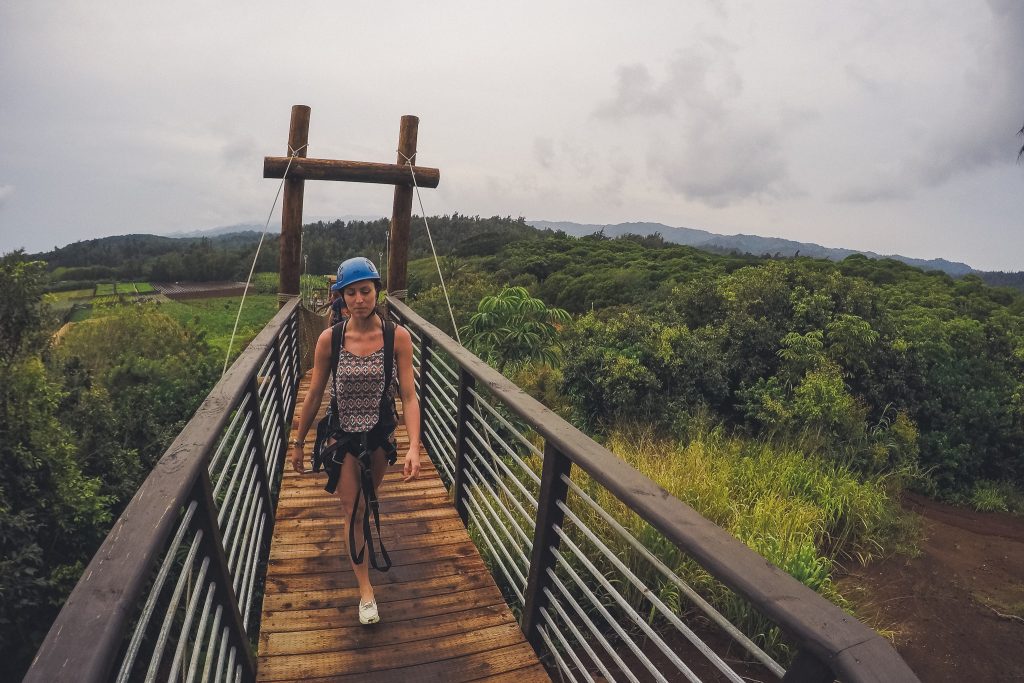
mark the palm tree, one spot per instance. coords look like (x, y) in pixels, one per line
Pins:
(513, 328)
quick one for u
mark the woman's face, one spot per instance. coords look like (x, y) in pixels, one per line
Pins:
(361, 298)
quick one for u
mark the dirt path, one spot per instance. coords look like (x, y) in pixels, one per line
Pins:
(942, 606)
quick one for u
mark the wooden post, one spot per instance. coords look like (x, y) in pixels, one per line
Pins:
(553, 490)
(401, 212)
(291, 208)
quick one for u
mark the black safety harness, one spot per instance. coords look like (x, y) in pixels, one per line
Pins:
(330, 456)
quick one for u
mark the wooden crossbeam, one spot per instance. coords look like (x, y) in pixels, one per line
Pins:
(303, 169)
(350, 171)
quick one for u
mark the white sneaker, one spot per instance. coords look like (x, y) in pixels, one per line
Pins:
(368, 612)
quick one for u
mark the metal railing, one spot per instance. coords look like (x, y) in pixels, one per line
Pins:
(174, 591)
(600, 562)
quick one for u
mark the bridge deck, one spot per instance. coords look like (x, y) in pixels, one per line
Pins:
(442, 617)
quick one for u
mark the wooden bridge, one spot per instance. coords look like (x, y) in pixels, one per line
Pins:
(224, 567)
(443, 617)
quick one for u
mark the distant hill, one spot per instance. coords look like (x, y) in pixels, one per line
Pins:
(223, 230)
(275, 226)
(745, 244)
(226, 253)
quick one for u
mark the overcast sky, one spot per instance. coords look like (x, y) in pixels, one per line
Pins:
(876, 125)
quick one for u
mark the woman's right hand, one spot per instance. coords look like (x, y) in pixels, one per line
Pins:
(298, 458)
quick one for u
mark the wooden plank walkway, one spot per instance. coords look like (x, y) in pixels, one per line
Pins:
(442, 616)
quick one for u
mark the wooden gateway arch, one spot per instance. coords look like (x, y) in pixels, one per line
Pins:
(299, 169)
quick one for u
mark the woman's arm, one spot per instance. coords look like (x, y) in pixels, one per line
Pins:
(410, 404)
(311, 405)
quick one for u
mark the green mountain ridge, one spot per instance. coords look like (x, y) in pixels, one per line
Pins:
(747, 244)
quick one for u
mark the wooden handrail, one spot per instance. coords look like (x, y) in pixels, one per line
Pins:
(849, 649)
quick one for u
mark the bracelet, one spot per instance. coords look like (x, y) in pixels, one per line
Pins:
(297, 442)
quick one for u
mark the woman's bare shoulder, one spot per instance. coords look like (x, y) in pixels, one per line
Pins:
(324, 340)
(402, 333)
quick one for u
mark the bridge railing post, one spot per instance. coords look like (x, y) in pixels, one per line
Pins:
(553, 490)
(213, 543)
(466, 384)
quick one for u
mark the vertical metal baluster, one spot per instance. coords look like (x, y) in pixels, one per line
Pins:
(425, 351)
(553, 490)
(261, 453)
(276, 359)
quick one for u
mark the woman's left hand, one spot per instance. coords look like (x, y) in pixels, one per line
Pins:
(412, 464)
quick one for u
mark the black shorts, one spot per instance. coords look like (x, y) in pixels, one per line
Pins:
(351, 444)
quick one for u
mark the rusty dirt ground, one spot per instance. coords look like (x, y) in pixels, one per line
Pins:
(956, 611)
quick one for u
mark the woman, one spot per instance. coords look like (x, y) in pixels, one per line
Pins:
(361, 412)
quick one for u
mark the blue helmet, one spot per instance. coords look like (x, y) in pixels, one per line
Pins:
(355, 270)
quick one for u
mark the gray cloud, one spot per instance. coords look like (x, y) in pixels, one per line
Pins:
(708, 144)
(544, 151)
(963, 135)
(242, 152)
(874, 193)
(684, 129)
(636, 95)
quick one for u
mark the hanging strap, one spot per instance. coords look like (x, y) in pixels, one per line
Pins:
(366, 489)
(368, 493)
(389, 364)
(337, 339)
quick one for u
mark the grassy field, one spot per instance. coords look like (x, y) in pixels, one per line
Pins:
(807, 515)
(217, 317)
(71, 295)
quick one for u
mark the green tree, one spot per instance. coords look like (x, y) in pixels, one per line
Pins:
(152, 368)
(52, 515)
(513, 328)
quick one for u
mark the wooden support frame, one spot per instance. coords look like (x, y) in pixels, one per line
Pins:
(350, 171)
(291, 208)
(401, 212)
(299, 169)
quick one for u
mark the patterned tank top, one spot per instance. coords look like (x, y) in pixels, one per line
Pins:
(360, 382)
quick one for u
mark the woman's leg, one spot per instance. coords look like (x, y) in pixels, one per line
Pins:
(348, 488)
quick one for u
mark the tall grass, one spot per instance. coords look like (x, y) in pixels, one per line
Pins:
(804, 513)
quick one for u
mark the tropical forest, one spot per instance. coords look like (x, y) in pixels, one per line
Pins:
(804, 405)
